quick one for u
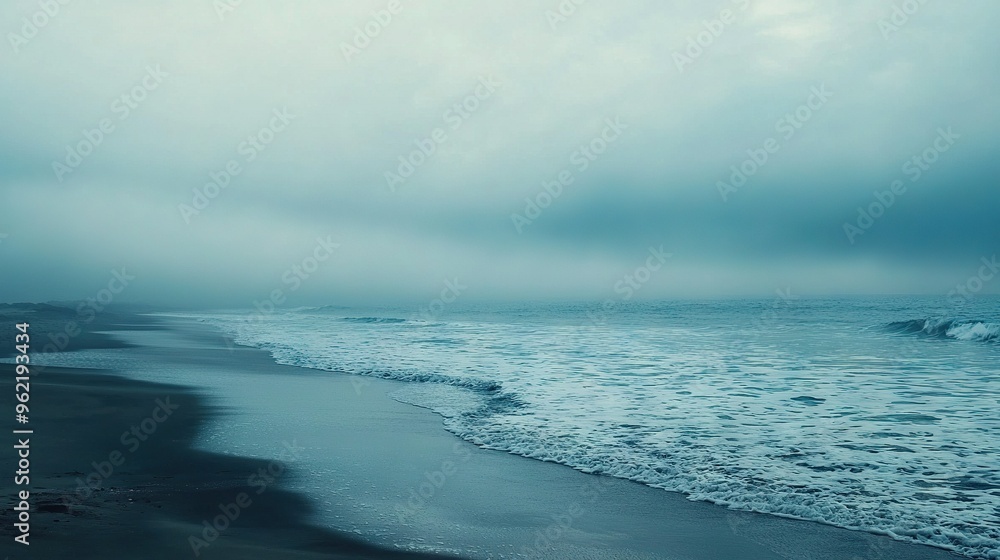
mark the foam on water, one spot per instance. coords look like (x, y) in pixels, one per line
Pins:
(950, 328)
(839, 413)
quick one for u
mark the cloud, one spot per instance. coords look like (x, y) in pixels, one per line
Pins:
(356, 116)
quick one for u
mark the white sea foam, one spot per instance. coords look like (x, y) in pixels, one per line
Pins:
(829, 422)
(975, 331)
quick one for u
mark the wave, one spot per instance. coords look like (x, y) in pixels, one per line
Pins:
(978, 331)
(390, 320)
(495, 400)
(321, 309)
(502, 389)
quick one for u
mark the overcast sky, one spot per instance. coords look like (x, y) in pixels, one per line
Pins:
(671, 98)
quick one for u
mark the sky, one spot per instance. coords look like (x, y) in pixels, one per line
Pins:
(210, 153)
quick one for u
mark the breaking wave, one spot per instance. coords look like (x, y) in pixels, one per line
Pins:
(978, 331)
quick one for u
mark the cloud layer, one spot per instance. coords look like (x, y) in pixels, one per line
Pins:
(421, 136)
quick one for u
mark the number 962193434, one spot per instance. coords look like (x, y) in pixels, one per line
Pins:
(21, 360)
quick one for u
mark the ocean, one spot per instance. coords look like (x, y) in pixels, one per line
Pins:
(875, 414)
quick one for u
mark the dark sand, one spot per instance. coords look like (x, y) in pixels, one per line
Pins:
(374, 450)
(157, 496)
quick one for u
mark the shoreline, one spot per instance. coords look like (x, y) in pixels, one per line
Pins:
(114, 474)
(385, 455)
(113, 470)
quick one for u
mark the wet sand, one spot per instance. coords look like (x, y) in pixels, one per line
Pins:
(99, 490)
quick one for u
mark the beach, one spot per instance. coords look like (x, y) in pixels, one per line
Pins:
(348, 472)
(98, 489)
(572, 280)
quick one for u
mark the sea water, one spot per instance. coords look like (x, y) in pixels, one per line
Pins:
(877, 414)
